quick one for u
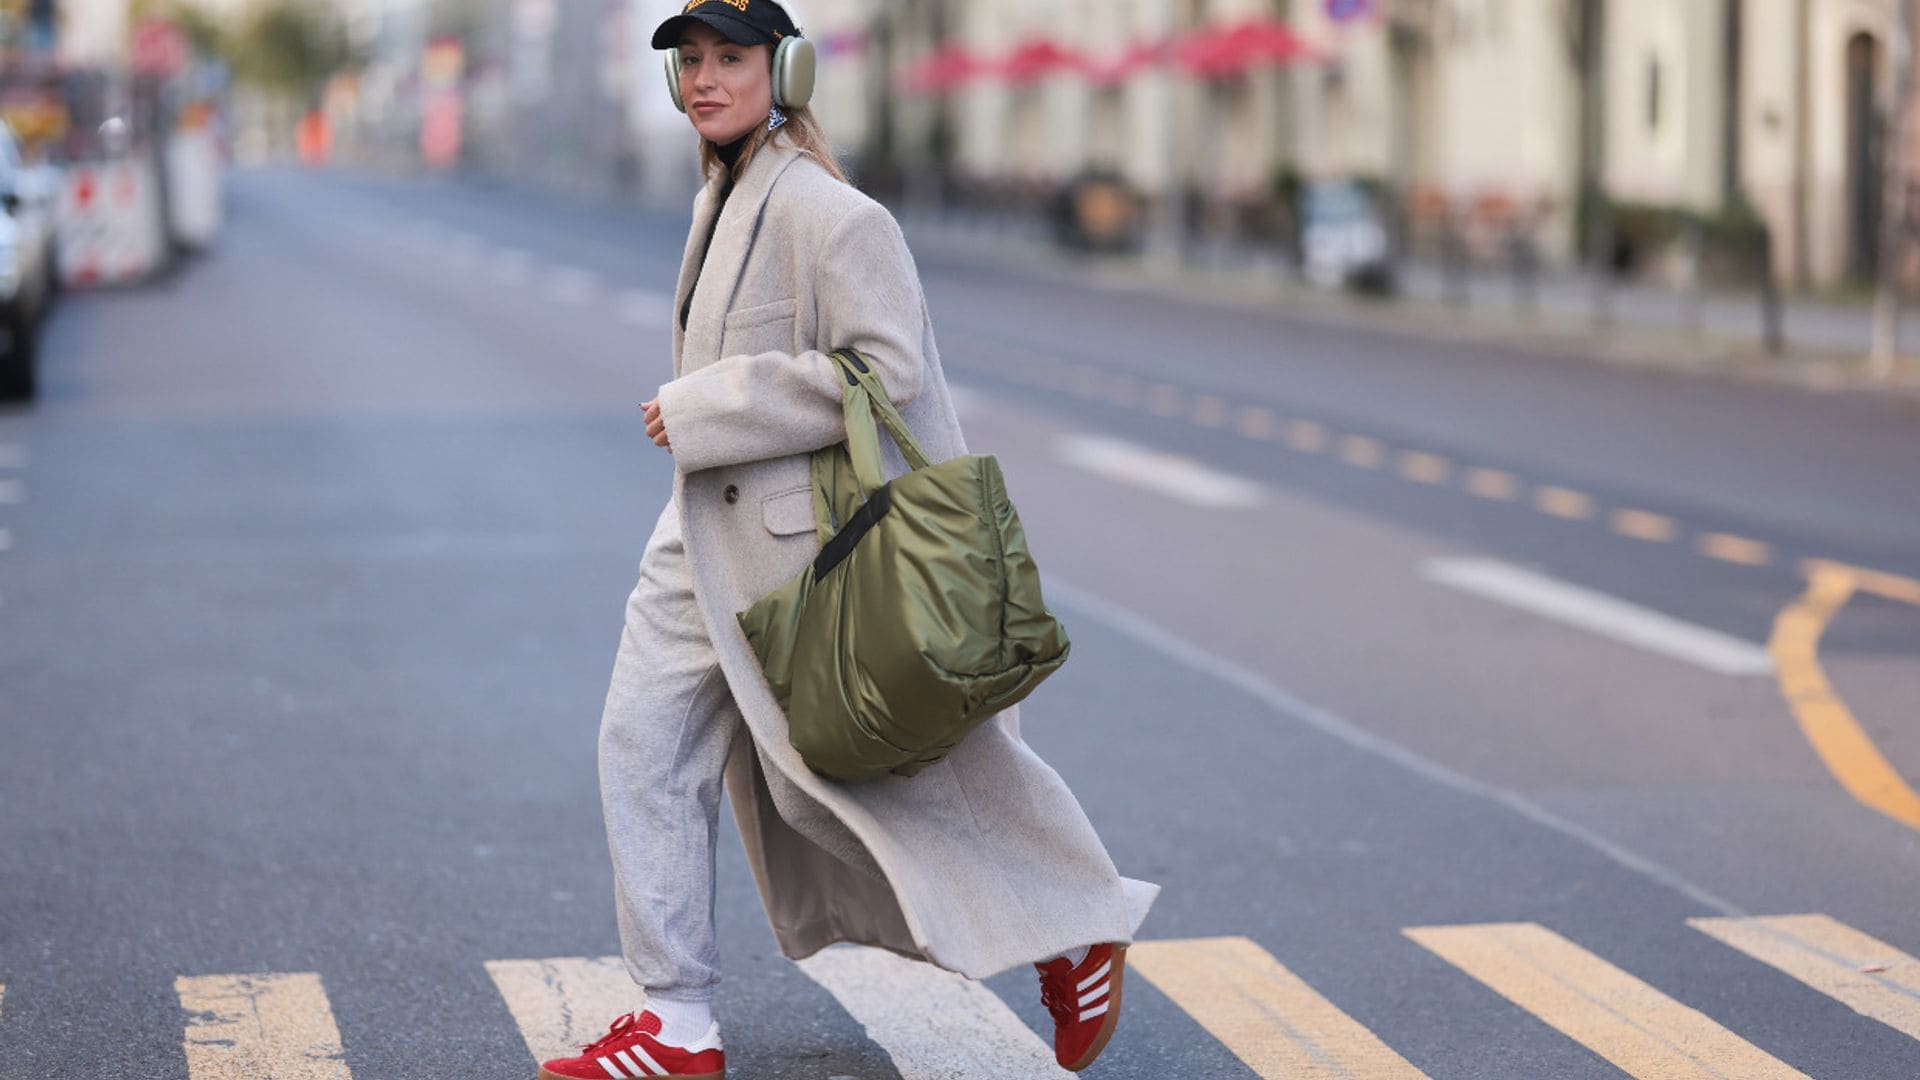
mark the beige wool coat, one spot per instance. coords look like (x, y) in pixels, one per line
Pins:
(982, 862)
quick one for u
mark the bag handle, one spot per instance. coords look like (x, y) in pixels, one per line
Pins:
(864, 399)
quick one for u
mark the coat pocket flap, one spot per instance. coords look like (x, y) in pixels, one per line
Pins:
(788, 512)
(762, 313)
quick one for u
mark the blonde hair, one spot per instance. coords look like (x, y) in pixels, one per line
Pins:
(801, 131)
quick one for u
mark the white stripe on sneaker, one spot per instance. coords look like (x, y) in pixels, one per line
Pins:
(1096, 976)
(613, 1070)
(1093, 995)
(1097, 1010)
(632, 1069)
(658, 1069)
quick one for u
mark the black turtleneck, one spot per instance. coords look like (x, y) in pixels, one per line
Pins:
(729, 155)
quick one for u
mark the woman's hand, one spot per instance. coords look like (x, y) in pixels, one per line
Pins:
(656, 427)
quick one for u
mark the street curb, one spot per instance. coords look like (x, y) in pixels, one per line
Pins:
(1644, 350)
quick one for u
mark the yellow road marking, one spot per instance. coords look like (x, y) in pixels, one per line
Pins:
(1847, 750)
(241, 1027)
(1265, 1014)
(1423, 468)
(1362, 451)
(1256, 423)
(1563, 502)
(1735, 549)
(1163, 400)
(1645, 525)
(1208, 411)
(1306, 436)
(561, 1005)
(1878, 582)
(1873, 978)
(1640, 1030)
(1492, 484)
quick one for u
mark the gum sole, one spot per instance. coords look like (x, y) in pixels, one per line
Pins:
(1112, 1019)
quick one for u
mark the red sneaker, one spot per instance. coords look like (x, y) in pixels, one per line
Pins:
(631, 1048)
(1084, 1001)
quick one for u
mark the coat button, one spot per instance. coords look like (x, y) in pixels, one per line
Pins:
(732, 494)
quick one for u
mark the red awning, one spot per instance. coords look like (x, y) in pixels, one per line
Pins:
(943, 69)
(1113, 70)
(1229, 49)
(1037, 58)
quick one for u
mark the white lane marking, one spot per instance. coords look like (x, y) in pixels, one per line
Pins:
(13, 492)
(1298, 710)
(571, 286)
(1169, 474)
(1601, 614)
(13, 456)
(6, 538)
(933, 1023)
(563, 1004)
(637, 307)
(510, 267)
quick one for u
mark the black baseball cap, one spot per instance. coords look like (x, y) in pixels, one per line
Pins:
(746, 22)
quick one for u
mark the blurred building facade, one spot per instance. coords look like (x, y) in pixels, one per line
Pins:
(1585, 128)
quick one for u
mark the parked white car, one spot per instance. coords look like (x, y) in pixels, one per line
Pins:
(27, 280)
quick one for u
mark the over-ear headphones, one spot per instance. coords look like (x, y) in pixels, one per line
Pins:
(793, 70)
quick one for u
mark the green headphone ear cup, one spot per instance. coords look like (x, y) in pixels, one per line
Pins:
(793, 71)
(673, 79)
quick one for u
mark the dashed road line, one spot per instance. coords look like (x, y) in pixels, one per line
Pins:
(1208, 411)
(1362, 451)
(1256, 422)
(1599, 613)
(1735, 549)
(1123, 390)
(1164, 400)
(1425, 468)
(1563, 502)
(1642, 1031)
(1266, 1015)
(1306, 436)
(6, 538)
(241, 1027)
(12, 492)
(1643, 525)
(1493, 484)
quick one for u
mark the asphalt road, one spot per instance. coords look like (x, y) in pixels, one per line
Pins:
(1478, 712)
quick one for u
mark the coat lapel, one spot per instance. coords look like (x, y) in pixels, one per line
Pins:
(719, 274)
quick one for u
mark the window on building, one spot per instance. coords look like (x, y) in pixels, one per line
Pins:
(1653, 95)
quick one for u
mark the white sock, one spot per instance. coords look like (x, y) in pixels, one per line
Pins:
(1075, 957)
(682, 1023)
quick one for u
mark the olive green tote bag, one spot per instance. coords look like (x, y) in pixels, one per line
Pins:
(920, 617)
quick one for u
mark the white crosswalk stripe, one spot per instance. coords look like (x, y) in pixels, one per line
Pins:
(935, 1025)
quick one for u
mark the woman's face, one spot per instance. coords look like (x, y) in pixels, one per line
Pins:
(727, 87)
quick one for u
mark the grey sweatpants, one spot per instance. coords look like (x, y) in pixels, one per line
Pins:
(665, 734)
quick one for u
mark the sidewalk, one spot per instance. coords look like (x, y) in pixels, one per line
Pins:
(1719, 334)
